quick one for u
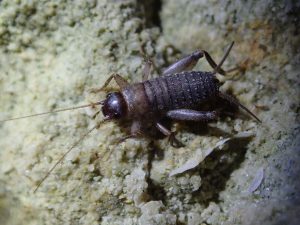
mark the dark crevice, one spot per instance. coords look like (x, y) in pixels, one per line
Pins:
(151, 10)
(155, 191)
(216, 170)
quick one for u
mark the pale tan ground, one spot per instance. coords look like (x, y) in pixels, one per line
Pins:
(52, 53)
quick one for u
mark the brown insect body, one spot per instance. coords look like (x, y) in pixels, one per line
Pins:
(176, 95)
(155, 97)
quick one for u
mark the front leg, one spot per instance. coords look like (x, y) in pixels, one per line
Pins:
(135, 131)
(192, 115)
(121, 82)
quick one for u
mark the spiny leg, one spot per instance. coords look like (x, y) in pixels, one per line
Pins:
(171, 135)
(192, 115)
(185, 64)
(188, 63)
(217, 67)
(122, 83)
(213, 64)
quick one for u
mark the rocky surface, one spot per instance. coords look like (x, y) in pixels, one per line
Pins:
(52, 53)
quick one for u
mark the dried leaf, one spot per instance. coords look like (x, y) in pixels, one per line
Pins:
(257, 180)
(200, 155)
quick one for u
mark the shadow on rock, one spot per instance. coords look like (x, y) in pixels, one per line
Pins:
(216, 170)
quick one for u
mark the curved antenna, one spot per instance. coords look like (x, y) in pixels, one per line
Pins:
(67, 152)
(55, 111)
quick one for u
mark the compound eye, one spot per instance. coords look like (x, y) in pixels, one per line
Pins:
(114, 106)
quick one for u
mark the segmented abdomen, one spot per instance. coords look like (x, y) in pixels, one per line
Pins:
(184, 90)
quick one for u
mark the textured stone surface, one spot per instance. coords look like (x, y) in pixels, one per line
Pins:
(52, 53)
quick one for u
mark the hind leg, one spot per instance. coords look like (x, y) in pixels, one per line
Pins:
(192, 115)
(187, 63)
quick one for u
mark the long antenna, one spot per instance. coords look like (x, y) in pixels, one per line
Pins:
(55, 111)
(67, 152)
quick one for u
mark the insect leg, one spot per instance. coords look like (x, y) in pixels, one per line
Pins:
(122, 83)
(214, 65)
(192, 115)
(218, 67)
(134, 131)
(185, 64)
(171, 135)
(136, 127)
(147, 69)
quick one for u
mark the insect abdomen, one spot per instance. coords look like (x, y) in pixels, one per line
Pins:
(183, 90)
